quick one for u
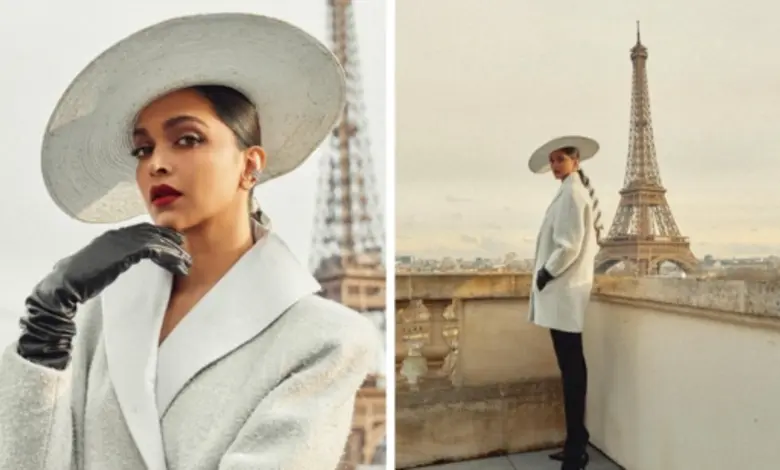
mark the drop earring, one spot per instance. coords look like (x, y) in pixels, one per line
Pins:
(249, 182)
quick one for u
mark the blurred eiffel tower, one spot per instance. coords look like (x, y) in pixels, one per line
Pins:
(347, 249)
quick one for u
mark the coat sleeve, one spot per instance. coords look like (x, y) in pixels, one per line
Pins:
(36, 423)
(39, 417)
(304, 423)
(568, 233)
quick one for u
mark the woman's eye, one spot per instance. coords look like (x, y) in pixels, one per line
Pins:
(189, 141)
(141, 152)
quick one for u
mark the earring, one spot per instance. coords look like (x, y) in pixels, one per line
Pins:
(247, 183)
(250, 181)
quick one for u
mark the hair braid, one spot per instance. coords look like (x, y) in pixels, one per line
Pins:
(596, 209)
(255, 212)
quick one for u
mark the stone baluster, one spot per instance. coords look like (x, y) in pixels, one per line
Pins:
(427, 342)
(451, 333)
(413, 331)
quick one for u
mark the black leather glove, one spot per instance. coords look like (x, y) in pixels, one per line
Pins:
(48, 329)
(542, 278)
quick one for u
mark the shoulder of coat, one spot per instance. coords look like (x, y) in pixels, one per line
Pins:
(329, 323)
(577, 192)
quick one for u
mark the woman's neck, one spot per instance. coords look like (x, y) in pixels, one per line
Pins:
(215, 246)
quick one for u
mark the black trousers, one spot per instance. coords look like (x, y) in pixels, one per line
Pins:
(574, 374)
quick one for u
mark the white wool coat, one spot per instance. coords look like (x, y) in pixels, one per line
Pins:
(567, 247)
(260, 375)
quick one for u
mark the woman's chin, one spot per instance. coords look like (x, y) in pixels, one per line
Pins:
(170, 220)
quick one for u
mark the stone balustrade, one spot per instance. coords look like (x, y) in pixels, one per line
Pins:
(681, 371)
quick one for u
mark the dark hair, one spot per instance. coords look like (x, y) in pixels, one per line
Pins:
(240, 116)
(574, 152)
(236, 111)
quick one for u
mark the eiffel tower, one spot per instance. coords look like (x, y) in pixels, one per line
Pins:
(347, 248)
(643, 233)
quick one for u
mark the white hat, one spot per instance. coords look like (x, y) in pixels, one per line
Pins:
(294, 81)
(540, 159)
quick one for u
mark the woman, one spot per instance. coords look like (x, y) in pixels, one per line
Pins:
(198, 342)
(565, 252)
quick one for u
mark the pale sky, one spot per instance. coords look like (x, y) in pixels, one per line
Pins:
(44, 44)
(480, 85)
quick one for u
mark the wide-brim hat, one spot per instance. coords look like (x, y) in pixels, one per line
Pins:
(540, 159)
(294, 81)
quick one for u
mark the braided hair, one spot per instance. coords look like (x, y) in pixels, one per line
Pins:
(255, 212)
(573, 152)
(597, 225)
(261, 223)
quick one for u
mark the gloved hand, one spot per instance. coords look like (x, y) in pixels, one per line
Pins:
(542, 278)
(48, 328)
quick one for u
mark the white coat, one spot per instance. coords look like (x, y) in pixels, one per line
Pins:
(566, 246)
(261, 374)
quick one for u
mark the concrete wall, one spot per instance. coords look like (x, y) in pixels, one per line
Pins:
(498, 345)
(673, 390)
(683, 375)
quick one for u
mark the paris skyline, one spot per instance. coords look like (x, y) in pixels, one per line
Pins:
(467, 190)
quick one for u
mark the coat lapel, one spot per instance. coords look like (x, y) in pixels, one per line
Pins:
(548, 214)
(258, 289)
(552, 209)
(561, 187)
(133, 308)
(549, 218)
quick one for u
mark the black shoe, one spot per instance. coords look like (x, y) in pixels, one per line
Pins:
(557, 456)
(576, 464)
(560, 456)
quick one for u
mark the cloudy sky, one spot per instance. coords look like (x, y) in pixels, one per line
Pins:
(44, 44)
(481, 84)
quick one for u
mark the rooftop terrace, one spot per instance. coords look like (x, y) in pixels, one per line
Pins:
(682, 374)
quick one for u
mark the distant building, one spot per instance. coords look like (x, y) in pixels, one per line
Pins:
(404, 259)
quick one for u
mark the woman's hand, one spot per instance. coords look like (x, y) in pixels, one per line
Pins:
(542, 278)
(48, 328)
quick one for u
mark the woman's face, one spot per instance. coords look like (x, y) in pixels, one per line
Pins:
(562, 165)
(190, 168)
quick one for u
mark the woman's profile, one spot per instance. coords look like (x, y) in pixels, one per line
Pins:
(197, 342)
(563, 278)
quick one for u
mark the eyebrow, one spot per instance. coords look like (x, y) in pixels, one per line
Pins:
(172, 122)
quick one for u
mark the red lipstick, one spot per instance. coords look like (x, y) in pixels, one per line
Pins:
(163, 195)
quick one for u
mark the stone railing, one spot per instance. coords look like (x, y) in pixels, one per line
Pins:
(429, 319)
(666, 359)
(758, 299)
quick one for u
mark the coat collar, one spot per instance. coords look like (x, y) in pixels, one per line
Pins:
(572, 180)
(258, 289)
(568, 184)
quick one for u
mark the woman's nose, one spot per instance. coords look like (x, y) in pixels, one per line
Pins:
(158, 165)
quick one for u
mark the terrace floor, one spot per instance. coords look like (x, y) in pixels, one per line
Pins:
(525, 461)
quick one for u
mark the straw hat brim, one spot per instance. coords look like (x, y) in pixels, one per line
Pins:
(294, 81)
(540, 159)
